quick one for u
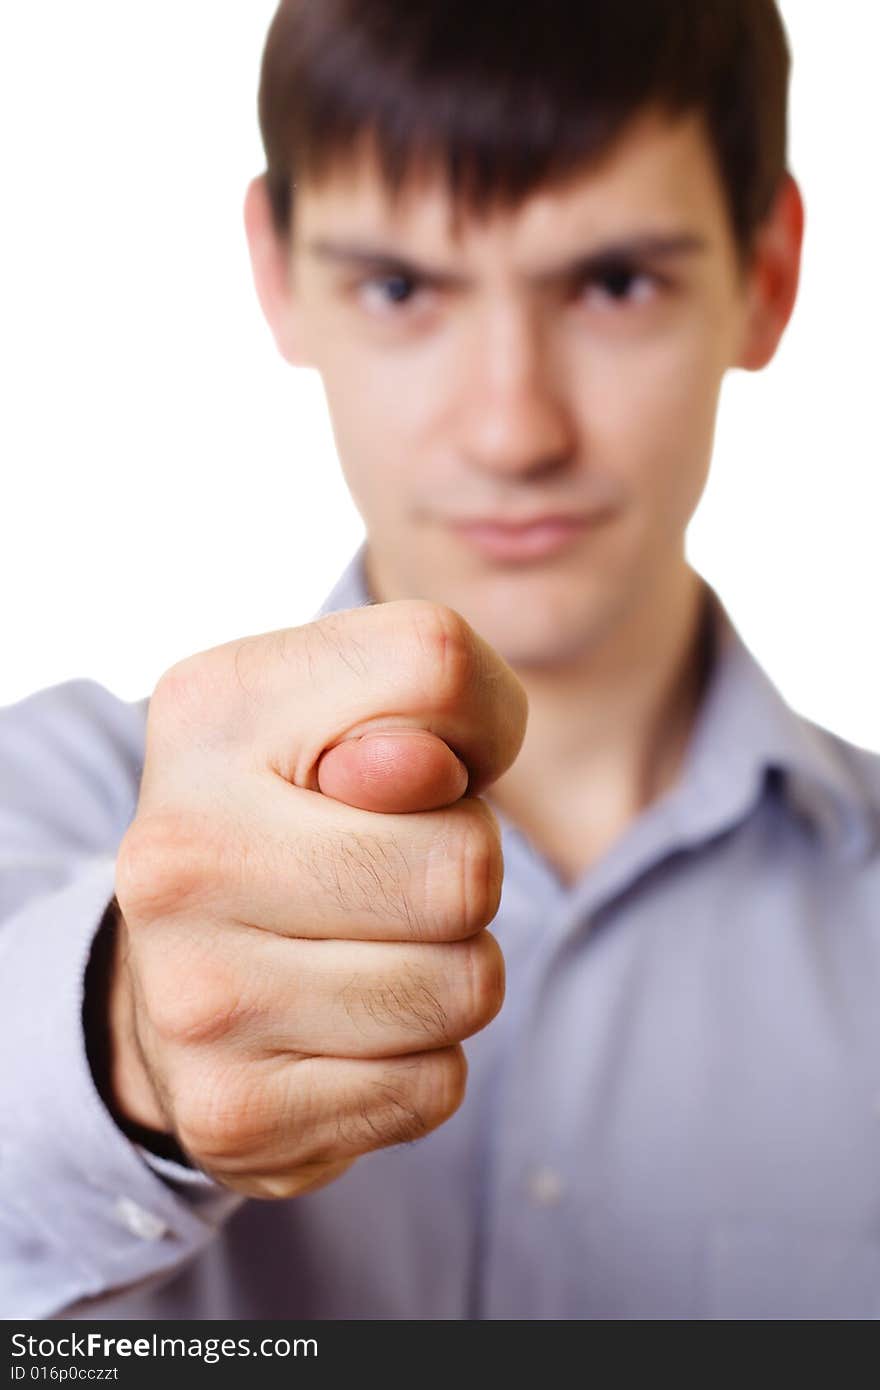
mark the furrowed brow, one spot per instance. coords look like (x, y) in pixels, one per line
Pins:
(377, 260)
(380, 261)
(648, 247)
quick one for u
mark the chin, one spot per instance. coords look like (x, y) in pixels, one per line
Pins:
(541, 654)
(534, 617)
(531, 636)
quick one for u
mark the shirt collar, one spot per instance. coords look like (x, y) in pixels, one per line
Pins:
(746, 740)
(351, 589)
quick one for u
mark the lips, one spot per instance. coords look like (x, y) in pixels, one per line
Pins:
(502, 523)
(523, 540)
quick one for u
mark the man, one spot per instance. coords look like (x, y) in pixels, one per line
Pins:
(522, 258)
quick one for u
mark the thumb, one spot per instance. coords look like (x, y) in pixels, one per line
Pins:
(395, 770)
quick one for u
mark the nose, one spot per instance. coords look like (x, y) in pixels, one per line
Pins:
(515, 421)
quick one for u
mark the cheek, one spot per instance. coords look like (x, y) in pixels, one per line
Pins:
(384, 407)
(654, 421)
(371, 432)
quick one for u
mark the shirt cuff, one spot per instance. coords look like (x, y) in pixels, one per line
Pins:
(91, 1212)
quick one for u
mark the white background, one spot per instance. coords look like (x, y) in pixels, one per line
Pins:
(170, 484)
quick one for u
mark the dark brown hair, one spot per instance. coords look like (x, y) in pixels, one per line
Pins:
(507, 95)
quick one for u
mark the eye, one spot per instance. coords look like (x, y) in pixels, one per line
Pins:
(388, 292)
(620, 285)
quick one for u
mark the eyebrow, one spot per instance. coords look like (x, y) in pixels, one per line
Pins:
(653, 246)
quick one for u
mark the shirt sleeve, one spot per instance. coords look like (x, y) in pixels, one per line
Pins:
(83, 1211)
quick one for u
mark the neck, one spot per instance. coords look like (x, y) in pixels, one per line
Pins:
(607, 735)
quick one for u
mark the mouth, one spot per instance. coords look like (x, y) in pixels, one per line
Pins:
(527, 540)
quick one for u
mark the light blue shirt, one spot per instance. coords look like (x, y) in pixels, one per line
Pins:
(675, 1115)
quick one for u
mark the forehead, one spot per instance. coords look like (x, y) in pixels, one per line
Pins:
(660, 175)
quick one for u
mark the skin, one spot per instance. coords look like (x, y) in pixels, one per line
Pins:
(301, 942)
(301, 946)
(505, 391)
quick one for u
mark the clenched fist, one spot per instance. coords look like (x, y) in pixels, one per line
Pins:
(304, 892)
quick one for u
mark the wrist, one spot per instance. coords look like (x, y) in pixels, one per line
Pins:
(115, 1056)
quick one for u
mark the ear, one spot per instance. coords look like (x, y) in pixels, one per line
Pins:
(271, 270)
(772, 277)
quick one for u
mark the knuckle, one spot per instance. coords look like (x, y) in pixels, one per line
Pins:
(411, 1101)
(190, 1005)
(485, 980)
(224, 1116)
(446, 648)
(305, 1177)
(442, 1078)
(203, 701)
(165, 860)
(185, 693)
(464, 875)
(482, 873)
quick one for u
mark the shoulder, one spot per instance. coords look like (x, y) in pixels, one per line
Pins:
(852, 774)
(73, 715)
(858, 765)
(72, 750)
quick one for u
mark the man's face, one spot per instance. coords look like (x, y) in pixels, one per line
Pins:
(507, 373)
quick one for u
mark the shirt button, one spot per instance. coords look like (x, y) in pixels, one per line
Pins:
(545, 1187)
(140, 1222)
